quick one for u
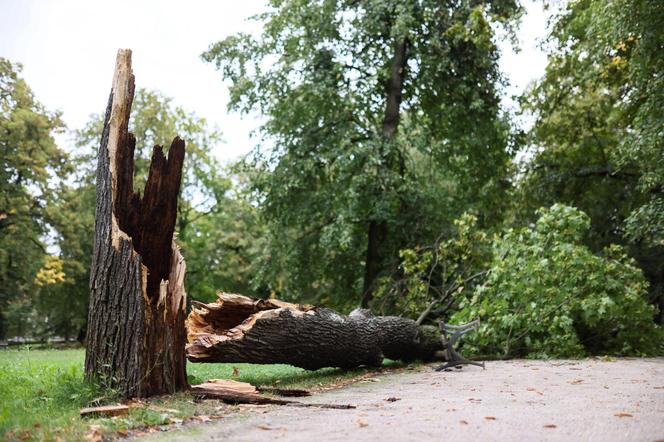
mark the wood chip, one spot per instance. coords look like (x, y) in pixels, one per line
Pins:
(463, 422)
(550, 426)
(490, 418)
(362, 423)
(230, 386)
(107, 410)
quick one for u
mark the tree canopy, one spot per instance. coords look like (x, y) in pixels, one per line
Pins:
(386, 176)
(30, 166)
(378, 113)
(598, 113)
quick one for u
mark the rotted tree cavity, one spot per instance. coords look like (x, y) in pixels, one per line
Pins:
(136, 334)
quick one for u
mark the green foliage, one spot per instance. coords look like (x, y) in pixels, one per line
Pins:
(320, 73)
(436, 277)
(598, 127)
(222, 248)
(548, 295)
(30, 164)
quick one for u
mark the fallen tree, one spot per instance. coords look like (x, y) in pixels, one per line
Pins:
(237, 328)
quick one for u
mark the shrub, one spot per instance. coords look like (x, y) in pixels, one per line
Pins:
(435, 277)
(548, 295)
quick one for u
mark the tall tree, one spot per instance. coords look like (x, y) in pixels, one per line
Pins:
(598, 111)
(30, 163)
(358, 94)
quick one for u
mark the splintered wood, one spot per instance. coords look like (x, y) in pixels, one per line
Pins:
(243, 393)
(135, 333)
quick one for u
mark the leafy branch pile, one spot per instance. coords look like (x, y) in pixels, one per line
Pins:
(548, 295)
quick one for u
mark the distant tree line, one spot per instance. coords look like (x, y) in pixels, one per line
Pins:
(391, 181)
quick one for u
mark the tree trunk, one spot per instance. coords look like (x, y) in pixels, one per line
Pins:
(238, 328)
(376, 237)
(378, 231)
(135, 332)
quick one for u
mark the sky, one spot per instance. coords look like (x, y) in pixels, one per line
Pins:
(68, 47)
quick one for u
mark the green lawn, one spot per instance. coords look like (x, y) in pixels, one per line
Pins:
(41, 392)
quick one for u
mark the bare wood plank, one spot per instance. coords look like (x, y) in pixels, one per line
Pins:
(106, 410)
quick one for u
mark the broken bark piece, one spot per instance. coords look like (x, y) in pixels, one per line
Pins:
(286, 392)
(224, 385)
(231, 386)
(238, 328)
(106, 410)
(243, 393)
(135, 333)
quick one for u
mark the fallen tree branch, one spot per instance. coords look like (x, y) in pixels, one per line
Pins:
(447, 294)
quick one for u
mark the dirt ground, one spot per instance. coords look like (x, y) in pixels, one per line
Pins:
(598, 400)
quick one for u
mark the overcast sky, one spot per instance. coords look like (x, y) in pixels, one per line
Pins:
(68, 47)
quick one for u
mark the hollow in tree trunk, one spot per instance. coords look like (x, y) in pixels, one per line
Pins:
(135, 333)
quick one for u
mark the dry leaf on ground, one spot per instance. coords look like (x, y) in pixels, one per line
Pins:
(621, 414)
(93, 434)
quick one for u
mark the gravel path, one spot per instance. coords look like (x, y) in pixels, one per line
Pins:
(515, 400)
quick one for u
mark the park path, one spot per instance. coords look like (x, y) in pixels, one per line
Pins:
(586, 400)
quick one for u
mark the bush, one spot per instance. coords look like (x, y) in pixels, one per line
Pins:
(439, 274)
(548, 295)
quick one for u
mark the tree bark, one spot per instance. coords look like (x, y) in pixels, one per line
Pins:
(135, 332)
(238, 328)
(378, 231)
(375, 238)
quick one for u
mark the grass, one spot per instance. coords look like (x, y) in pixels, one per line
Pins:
(42, 391)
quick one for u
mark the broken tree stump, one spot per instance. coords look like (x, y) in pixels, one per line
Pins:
(135, 332)
(237, 328)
